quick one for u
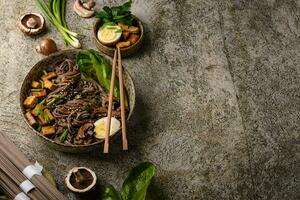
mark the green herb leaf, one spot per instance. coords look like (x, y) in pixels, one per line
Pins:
(110, 193)
(136, 184)
(117, 14)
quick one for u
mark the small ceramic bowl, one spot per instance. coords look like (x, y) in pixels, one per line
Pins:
(36, 72)
(126, 51)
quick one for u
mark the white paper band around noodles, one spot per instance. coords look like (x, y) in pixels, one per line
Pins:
(21, 196)
(26, 186)
(32, 170)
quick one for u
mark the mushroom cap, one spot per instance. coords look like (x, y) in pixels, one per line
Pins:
(40, 23)
(82, 11)
(76, 190)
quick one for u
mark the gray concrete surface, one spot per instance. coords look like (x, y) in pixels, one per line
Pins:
(218, 105)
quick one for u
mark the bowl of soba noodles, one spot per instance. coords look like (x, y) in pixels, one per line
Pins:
(64, 100)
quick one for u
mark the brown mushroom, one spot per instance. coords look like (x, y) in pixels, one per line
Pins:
(46, 46)
(84, 131)
(31, 23)
(84, 10)
(81, 180)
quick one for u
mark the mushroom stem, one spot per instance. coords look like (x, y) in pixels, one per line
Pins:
(89, 4)
(31, 22)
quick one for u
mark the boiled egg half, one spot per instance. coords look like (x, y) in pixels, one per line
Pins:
(100, 125)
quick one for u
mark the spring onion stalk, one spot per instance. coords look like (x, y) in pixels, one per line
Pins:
(55, 13)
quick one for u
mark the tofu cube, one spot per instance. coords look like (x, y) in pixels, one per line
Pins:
(41, 93)
(49, 114)
(30, 101)
(36, 110)
(30, 119)
(36, 84)
(42, 119)
(48, 76)
(48, 84)
(48, 131)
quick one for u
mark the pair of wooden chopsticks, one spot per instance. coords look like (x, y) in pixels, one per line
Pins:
(117, 55)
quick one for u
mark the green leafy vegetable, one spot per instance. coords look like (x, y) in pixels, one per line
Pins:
(95, 66)
(135, 186)
(55, 12)
(117, 14)
(110, 193)
(63, 136)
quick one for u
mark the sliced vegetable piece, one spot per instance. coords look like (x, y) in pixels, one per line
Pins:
(30, 101)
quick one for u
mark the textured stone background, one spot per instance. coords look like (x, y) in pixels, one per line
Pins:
(218, 98)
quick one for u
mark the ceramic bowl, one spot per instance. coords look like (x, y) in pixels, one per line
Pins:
(36, 72)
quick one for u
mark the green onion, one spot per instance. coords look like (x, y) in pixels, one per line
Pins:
(45, 72)
(35, 90)
(43, 84)
(51, 102)
(43, 101)
(55, 12)
(63, 136)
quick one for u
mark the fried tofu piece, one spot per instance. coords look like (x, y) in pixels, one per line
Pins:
(42, 119)
(123, 44)
(48, 84)
(30, 101)
(133, 38)
(41, 93)
(36, 84)
(49, 114)
(133, 29)
(124, 27)
(125, 35)
(48, 76)
(37, 109)
(30, 119)
(48, 131)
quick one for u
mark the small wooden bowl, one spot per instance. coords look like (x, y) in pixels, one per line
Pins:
(126, 51)
(36, 72)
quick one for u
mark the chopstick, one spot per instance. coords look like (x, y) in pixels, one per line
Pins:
(110, 101)
(122, 100)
